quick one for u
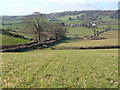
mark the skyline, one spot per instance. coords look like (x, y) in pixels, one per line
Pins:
(25, 7)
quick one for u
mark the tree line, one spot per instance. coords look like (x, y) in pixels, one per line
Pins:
(41, 29)
(86, 14)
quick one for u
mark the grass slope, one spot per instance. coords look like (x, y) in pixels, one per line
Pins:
(87, 43)
(60, 69)
(112, 34)
(11, 40)
(82, 31)
(67, 16)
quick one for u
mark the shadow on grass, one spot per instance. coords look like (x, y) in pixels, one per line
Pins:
(39, 47)
(65, 40)
(23, 49)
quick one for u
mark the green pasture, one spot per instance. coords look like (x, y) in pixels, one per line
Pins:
(111, 39)
(112, 34)
(82, 31)
(12, 21)
(26, 35)
(67, 16)
(69, 21)
(60, 69)
(87, 43)
(109, 26)
(11, 40)
(13, 26)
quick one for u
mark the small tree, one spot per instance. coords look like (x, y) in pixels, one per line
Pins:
(57, 30)
(78, 17)
(70, 18)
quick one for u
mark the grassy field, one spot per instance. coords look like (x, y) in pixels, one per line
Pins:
(82, 30)
(11, 40)
(111, 26)
(67, 16)
(87, 43)
(111, 39)
(13, 24)
(112, 34)
(60, 69)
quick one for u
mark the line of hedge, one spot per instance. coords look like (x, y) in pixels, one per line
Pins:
(95, 47)
(2, 31)
(26, 46)
(16, 45)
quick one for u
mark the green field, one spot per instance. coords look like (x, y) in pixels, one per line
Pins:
(11, 40)
(46, 68)
(112, 34)
(67, 16)
(13, 24)
(82, 30)
(60, 69)
(88, 43)
(111, 39)
(111, 26)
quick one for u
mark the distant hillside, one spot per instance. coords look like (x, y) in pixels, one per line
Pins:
(11, 18)
(85, 15)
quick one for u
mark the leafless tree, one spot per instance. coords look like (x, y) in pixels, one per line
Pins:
(35, 24)
(58, 31)
(42, 29)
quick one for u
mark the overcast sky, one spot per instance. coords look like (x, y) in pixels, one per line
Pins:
(25, 7)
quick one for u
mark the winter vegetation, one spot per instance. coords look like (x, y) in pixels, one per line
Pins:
(43, 67)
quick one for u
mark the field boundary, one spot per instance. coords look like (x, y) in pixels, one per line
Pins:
(95, 47)
(27, 46)
(2, 31)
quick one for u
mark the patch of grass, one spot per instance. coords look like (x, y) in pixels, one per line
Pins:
(69, 21)
(111, 38)
(11, 40)
(23, 34)
(12, 21)
(67, 16)
(112, 34)
(60, 69)
(112, 26)
(80, 30)
(87, 43)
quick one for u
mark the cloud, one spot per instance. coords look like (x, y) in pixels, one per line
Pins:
(80, 1)
(15, 11)
(22, 7)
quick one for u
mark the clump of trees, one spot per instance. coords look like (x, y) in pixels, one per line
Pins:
(41, 29)
(70, 18)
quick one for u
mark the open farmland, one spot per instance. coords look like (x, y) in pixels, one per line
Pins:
(82, 31)
(47, 68)
(67, 16)
(11, 40)
(111, 39)
(112, 34)
(61, 69)
(87, 43)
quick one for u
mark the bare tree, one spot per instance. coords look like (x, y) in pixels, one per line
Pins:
(57, 30)
(35, 24)
(42, 30)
